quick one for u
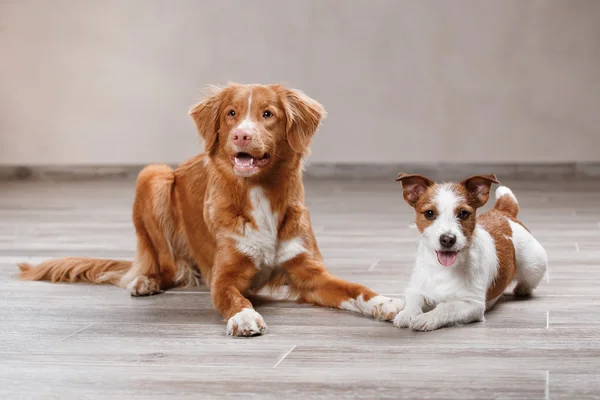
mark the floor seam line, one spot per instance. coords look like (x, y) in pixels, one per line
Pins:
(373, 266)
(547, 387)
(284, 356)
(76, 332)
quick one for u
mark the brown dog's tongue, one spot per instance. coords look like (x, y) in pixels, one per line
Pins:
(446, 258)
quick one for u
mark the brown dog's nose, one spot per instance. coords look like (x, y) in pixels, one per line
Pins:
(241, 138)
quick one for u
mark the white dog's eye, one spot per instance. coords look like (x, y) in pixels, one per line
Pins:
(463, 214)
(429, 214)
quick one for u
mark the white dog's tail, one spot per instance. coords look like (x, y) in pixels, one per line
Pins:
(506, 201)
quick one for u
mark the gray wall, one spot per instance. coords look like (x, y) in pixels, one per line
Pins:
(110, 82)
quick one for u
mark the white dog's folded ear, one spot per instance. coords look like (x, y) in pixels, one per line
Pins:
(478, 187)
(303, 116)
(413, 186)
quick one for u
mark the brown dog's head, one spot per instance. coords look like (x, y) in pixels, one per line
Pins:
(251, 129)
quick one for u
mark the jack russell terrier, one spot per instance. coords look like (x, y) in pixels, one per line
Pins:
(465, 262)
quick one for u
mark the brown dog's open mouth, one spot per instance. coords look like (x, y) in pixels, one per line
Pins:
(245, 164)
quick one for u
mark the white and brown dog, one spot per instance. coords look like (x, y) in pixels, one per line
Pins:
(464, 262)
(234, 215)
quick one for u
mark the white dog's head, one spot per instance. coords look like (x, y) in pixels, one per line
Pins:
(445, 213)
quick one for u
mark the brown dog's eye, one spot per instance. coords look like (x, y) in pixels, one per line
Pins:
(430, 215)
(267, 114)
(231, 113)
(463, 214)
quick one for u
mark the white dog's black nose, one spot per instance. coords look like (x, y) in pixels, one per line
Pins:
(447, 241)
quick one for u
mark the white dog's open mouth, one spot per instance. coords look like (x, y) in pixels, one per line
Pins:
(245, 164)
(447, 258)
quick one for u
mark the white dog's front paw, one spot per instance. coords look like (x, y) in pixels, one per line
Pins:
(385, 308)
(246, 323)
(425, 322)
(405, 316)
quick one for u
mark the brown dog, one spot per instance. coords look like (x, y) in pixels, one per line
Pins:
(234, 215)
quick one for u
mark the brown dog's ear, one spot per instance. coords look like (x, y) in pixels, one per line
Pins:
(303, 116)
(413, 186)
(206, 116)
(478, 187)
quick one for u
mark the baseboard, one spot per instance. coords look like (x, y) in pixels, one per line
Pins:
(61, 173)
(334, 171)
(456, 171)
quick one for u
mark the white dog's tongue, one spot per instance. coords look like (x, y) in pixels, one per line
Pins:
(446, 258)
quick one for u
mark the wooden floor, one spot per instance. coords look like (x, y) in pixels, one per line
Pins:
(81, 341)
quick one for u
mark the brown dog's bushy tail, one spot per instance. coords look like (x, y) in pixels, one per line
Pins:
(506, 202)
(76, 269)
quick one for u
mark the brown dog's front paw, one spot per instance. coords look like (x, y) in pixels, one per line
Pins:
(386, 308)
(246, 323)
(144, 286)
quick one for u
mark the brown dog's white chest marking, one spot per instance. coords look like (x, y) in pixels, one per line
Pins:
(259, 238)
